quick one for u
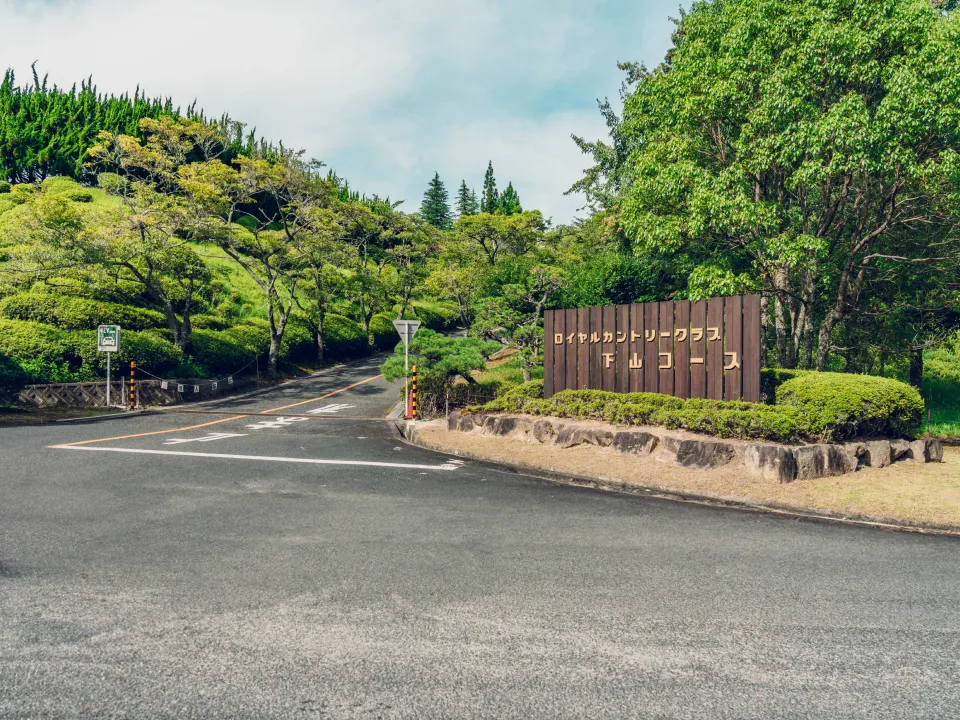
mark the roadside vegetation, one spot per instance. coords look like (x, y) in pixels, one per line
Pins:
(802, 150)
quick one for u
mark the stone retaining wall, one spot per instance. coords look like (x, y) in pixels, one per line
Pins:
(781, 463)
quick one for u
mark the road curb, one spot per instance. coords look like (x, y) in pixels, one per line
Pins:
(102, 418)
(409, 435)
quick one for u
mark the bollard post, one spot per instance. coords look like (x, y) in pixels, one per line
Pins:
(133, 385)
(413, 393)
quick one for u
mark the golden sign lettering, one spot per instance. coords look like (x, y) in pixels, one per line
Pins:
(669, 361)
(621, 337)
(696, 361)
(665, 333)
(607, 359)
(570, 338)
(650, 335)
(696, 334)
(608, 337)
(734, 361)
(714, 333)
(582, 337)
(636, 362)
(681, 334)
(594, 338)
(634, 336)
(558, 339)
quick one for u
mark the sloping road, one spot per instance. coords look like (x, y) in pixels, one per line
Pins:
(282, 556)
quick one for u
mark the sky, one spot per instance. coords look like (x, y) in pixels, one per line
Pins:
(386, 92)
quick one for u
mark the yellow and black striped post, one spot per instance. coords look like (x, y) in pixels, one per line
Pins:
(413, 393)
(133, 385)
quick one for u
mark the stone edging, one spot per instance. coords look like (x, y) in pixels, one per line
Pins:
(408, 430)
(780, 463)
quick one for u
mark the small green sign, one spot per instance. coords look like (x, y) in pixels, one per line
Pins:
(108, 338)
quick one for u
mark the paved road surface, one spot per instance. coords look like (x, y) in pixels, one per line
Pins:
(306, 563)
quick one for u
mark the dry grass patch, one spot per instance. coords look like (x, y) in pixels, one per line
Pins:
(905, 492)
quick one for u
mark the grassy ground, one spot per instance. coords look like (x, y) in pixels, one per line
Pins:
(943, 399)
(905, 492)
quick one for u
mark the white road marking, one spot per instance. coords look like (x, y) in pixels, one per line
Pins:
(278, 423)
(330, 409)
(209, 437)
(262, 458)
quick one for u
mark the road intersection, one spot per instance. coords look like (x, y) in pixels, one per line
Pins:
(286, 554)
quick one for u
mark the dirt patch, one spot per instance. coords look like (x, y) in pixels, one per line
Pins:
(905, 492)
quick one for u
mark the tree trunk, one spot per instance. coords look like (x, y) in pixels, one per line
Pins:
(916, 368)
(780, 281)
(526, 374)
(274, 356)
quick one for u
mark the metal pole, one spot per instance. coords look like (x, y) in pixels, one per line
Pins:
(108, 379)
(406, 378)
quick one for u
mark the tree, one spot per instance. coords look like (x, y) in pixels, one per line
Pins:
(490, 201)
(435, 208)
(441, 358)
(510, 202)
(800, 145)
(466, 201)
(491, 237)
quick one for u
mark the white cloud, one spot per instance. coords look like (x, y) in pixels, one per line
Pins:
(385, 92)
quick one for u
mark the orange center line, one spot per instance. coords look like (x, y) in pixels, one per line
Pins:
(155, 432)
(322, 397)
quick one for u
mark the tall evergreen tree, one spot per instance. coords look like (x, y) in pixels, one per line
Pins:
(491, 199)
(435, 207)
(466, 201)
(510, 202)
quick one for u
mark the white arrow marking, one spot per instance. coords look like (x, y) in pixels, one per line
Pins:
(330, 409)
(278, 423)
(209, 437)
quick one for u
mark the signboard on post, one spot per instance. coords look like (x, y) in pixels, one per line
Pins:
(407, 329)
(108, 341)
(704, 349)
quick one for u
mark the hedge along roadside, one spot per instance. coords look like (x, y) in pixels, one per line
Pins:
(809, 415)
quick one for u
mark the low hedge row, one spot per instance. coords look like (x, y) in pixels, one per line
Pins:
(823, 407)
(76, 313)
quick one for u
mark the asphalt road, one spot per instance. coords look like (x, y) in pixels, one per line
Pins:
(306, 563)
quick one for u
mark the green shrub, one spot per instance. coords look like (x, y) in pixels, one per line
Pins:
(840, 405)
(12, 377)
(4, 187)
(31, 342)
(75, 313)
(343, 338)
(253, 338)
(59, 184)
(152, 353)
(209, 322)
(384, 334)
(435, 315)
(298, 344)
(226, 351)
(772, 378)
(80, 196)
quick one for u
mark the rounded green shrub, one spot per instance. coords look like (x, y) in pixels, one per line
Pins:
(151, 352)
(223, 352)
(343, 338)
(384, 334)
(435, 315)
(4, 187)
(80, 196)
(253, 338)
(209, 322)
(298, 344)
(12, 377)
(841, 405)
(75, 313)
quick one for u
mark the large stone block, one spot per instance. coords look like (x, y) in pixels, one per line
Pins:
(925, 450)
(771, 462)
(816, 461)
(466, 423)
(635, 442)
(453, 420)
(573, 435)
(701, 454)
(545, 431)
(898, 449)
(878, 453)
(856, 454)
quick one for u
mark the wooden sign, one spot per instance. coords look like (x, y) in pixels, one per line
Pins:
(703, 349)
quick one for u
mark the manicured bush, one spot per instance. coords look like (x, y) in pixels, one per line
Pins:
(58, 184)
(209, 322)
(298, 344)
(225, 352)
(80, 196)
(76, 313)
(150, 350)
(842, 405)
(384, 334)
(343, 338)
(12, 378)
(772, 378)
(4, 187)
(25, 342)
(253, 337)
(434, 315)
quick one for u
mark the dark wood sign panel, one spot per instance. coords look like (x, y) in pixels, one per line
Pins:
(703, 349)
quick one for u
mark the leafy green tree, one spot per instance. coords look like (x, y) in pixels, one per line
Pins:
(490, 200)
(466, 201)
(801, 143)
(490, 238)
(510, 202)
(435, 208)
(441, 359)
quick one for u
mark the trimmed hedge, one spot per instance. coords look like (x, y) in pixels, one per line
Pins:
(222, 352)
(384, 334)
(822, 407)
(344, 338)
(435, 315)
(772, 378)
(76, 313)
(847, 405)
(4, 187)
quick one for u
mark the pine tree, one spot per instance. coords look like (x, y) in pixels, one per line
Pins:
(491, 199)
(466, 201)
(435, 207)
(510, 202)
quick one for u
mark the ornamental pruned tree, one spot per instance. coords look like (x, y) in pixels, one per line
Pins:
(435, 208)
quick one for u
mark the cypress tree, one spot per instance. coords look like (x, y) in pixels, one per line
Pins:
(435, 207)
(491, 200)
(510, 202)
(466, 201)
